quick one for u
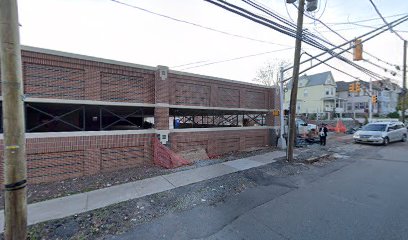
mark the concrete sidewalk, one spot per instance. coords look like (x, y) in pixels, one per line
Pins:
(83, 202)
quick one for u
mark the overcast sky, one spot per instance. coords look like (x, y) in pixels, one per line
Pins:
(106, 29)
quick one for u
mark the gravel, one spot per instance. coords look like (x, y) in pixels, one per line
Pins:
(45, 191)
(119, 218)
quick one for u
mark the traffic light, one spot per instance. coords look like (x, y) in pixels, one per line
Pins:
(286, 112)
(357, 87)
(352, 87)
(357, 50)
(374, 99)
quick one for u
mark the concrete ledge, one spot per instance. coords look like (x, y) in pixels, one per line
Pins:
(221, 129)
(243, 164)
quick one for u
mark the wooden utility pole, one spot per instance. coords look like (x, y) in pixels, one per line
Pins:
(295, 79)
(15, 167)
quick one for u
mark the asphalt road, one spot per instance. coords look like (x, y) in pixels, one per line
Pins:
(362, 196)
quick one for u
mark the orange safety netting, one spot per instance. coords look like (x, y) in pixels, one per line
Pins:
(164, 157)
(340, 127)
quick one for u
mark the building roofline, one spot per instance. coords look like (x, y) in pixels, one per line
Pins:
(134, 65)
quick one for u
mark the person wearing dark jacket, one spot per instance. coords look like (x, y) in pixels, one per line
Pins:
(323, 134)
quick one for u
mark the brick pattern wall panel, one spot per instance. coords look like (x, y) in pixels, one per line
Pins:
(45, 81)
(55, 166)
(255, 141)
(127, 88)
(189, 145)
(192, 94)
(255, 99)
(228, 97)
(124, 157)
(56, 158)
(218, 142)
(226, 145)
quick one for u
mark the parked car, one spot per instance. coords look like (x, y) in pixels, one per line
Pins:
(381, 133)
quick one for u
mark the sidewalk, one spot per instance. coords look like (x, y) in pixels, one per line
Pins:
(83, 202)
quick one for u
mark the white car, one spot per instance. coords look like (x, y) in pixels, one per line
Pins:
(381, 133)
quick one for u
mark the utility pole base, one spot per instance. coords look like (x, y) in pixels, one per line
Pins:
(282, 143)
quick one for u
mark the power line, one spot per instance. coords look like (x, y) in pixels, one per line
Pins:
(385, 21)
(346, 73)
(236, 58)
(313, 43)
(342, 37)
(365, 20)
(366, 26)
(197, 25)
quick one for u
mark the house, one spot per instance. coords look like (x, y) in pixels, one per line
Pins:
(357, 102)
(388, 96)
(316, 94)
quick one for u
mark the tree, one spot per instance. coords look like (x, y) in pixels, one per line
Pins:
(268, 74)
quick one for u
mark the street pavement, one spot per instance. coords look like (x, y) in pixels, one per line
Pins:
(362, 196)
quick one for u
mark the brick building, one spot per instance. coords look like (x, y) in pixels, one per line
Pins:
(87, 115)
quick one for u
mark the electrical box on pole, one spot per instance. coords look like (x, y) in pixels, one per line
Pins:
(357, 50)
(311, 5)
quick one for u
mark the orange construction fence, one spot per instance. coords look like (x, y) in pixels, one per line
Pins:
(164, 157)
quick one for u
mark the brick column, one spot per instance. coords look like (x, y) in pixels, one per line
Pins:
(161, 113)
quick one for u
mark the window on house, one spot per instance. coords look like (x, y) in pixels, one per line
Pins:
(349, 106)
(327, 91)
(332, 91)
(305, 93)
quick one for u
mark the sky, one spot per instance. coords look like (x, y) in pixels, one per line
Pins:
(107, 29)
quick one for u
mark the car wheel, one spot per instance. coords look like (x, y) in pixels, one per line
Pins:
(404, 138)
(386, 141)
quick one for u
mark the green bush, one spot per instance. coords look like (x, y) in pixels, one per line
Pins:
(393, 115)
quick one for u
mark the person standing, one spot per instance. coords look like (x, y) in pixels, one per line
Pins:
(323, 134)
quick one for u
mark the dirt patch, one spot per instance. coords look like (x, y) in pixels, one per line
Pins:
(45, 191)
(194, 154)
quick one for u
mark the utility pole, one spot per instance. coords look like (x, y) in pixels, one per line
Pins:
(404, 81)
(15, 167)
(295, 79)
(281, 140)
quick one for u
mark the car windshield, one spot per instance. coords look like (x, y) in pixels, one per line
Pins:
(375, 127)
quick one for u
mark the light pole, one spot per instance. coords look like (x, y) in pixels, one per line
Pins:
(281, 140)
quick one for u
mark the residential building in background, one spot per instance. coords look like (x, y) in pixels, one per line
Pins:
(357, 102)
(316, 95)
(388, 96)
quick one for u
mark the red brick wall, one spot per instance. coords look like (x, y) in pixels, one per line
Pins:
(58, 158)
(161, 118)
(219, 142)
(51, 76)
(200, 91)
